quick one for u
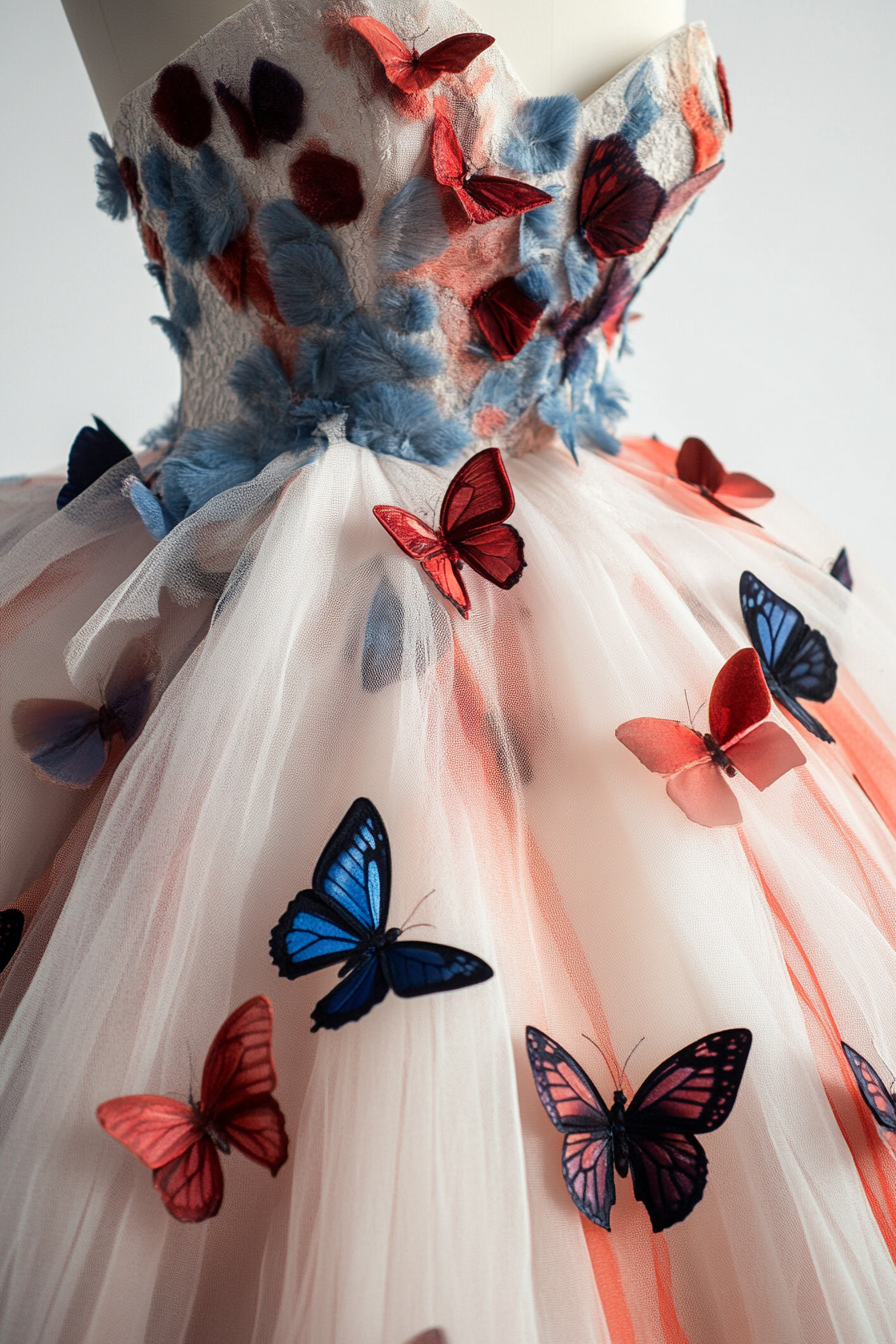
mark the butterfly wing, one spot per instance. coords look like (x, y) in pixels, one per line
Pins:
(665, 746)
(495, 552)
(396, 59)
(618, 201)
(739, 699)
(500, 197)
(765, 754)
(479, 494)
(746, 489)
(237, 1082)
(62, 738)
(415, 537)
(871, 1085)
(354, 872)
(447, 155)
(129, 689)
(840, 569)
(192, 1185)
(691, 1093)
(12, 926)
(353, 997)
(157, 1130)
(311, 935)
(795, 659)
(449, 57)
(415, 968)
(91, 455)
(698, 465)
(705, 796)
(576, 1108)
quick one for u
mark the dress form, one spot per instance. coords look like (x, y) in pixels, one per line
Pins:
(556, 46)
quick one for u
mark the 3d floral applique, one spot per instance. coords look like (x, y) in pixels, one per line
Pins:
(740, 740)
(181, 106)
(275, 109)
(236, 1109)
(409, 70)
(472, 530)
(482, 197)
(326, 188)
(698, 466)
(795, 660)
(542, 134)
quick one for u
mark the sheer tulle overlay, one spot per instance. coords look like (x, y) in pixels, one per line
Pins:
(307, 662)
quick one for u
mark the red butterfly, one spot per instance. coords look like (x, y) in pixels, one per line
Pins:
(181, 1143)
(618, 201)
(507, 317)
(697, 465)
(406, 68)
(483, 198)
(695, 764)
(471, 531)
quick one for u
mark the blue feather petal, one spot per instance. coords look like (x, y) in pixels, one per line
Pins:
(260, 383)
(539, 229)
(156, 518)
(310, 284)
(536, 283)
(643, 109)
(112, 194)
(185, 310)
(315, 370)
(368, 352)
(581, 268)
(281, 222)
(177, 337)
(404, 422)
(407, 308)
(222, 211)
(190, 482)
(163, 179)
(543, 134)
(412, 227)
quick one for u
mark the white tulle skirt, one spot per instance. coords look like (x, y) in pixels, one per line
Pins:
(423, 1185)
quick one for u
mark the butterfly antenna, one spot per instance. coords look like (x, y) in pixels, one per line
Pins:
(416, 38)
(407, 928)
(416, 908)
(631, 1052)
(610, 1069)
(190, 1064)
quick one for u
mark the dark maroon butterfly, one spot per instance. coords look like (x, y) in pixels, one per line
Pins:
(840, 569)
(507, 317)
(618, 201)
(68, 741)
(276, 101)
(12, 926)
(880, 1102)
(482, 198)
(691, 1093)
(697, 465)
(91, 455)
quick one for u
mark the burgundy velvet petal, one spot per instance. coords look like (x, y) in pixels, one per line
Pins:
(618, 201)
(181, 107)
(507, 316)
(128, 169)
(326, 188)
(277, 100)
(240, 276)
(698, 465)
(240, 119)
(153, 245)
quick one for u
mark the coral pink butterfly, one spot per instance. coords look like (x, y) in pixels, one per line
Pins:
(235, 1108)
(482, 197)
(691, 1093)
(472, 530)
(697, 465)
(696, 764)
(410, 71)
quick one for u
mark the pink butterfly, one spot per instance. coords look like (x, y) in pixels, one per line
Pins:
(697, 766)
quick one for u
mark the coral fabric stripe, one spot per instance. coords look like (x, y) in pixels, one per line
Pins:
(873, 1163)
(872, 762)
(620, 1265)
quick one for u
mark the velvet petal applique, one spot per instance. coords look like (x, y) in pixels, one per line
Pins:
(242, 123)
(326, 188)
(277, 100)
(181, 106)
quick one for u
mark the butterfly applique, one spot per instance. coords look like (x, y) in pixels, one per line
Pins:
(880, 1102)
(12, 926)
(691, 1093)
(471, 530)
(697, 766)
(91, 455)
(181, 1142)
(343, 917)
(433, 1336)
(840, 569)
(275, 111)
(618, 201)
(408, 69)
(69, 741)
(482, 197)
(697, 465)
(796, 660)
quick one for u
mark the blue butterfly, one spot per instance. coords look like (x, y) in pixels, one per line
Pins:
(343, 918)
(796, 660)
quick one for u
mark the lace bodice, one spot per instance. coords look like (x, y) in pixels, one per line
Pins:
(445, 266)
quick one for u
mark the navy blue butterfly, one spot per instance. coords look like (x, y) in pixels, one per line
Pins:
(796, 660)
(840, 569)
(91, 455)
(343, 918)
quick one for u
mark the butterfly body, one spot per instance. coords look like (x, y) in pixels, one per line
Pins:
(180, 1141)
(342, 918)
(653, 1136)
(472, 530)
(795, 660)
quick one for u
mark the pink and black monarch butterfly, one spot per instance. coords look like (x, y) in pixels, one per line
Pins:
(880, 1102)
(691, 1093)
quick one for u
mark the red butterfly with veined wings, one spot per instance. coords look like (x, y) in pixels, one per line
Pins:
(695, 764)
(483, 198)
(472, 530)
(181, 1142)
(698, 465)
(410, 71)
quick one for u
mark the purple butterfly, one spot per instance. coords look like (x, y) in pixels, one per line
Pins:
(880, 1102)
(691, 1093)
(69, 741)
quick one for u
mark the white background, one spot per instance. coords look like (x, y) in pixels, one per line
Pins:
(769, 329)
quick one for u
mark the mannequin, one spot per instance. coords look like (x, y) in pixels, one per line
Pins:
(556, 46)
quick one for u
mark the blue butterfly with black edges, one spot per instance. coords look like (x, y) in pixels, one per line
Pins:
(343, 918)
(796, 660)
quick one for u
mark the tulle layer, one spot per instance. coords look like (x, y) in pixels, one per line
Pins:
(423, 1185)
